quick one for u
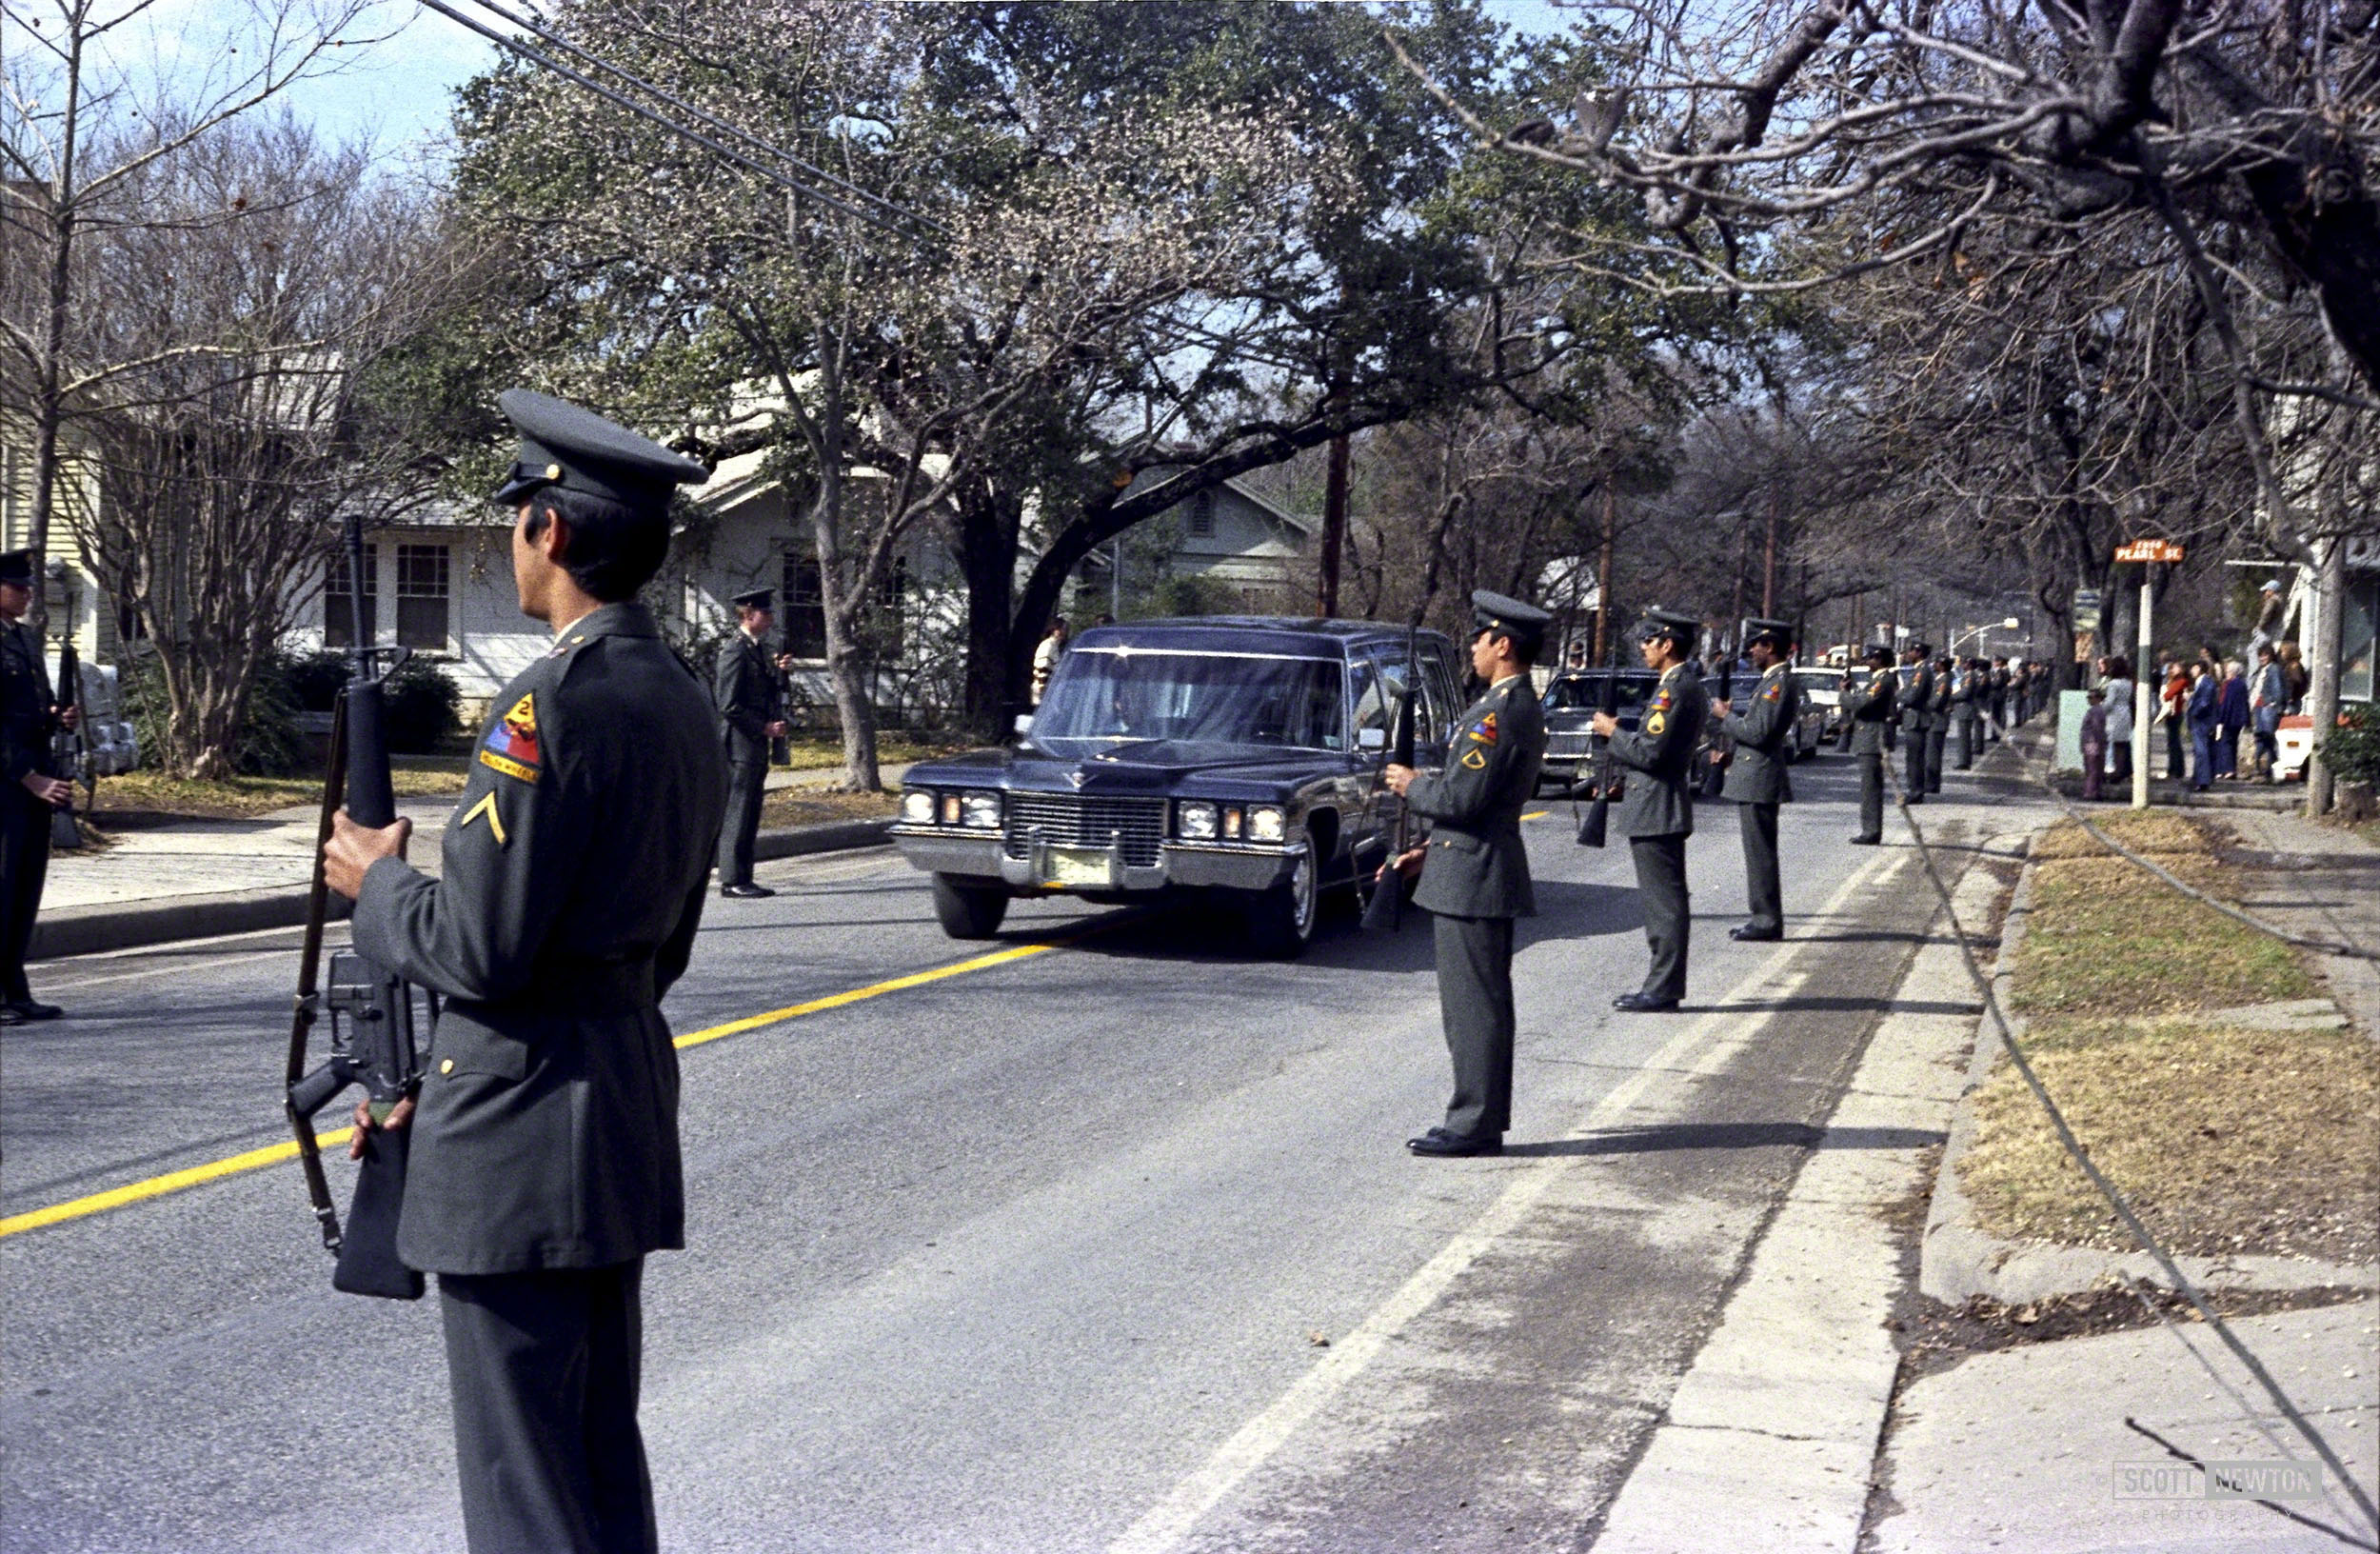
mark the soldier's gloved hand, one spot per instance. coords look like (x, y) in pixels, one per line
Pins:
(398, 1115)
(353, 850)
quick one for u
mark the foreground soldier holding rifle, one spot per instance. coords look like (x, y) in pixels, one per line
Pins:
(545, 1160)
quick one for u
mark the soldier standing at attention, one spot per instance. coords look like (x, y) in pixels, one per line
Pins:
(545, 1160)
(1656, 811)
(1758, 782)
(1475, 870)
(1870, 709)
(1967, 701)
(1939, 714)
(1915, 703)
(27, 717)
(751, 711)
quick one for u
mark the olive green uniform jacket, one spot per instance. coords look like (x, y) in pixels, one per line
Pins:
(546, 1134)
(1759, 727)
(1477, 865)
(1658, 798)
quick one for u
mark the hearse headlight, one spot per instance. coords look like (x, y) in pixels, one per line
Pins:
(1267, 824)
(916, 807)
(980, 811)
(1196, 822)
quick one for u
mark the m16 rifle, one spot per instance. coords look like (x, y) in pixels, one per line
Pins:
(1721, 747)
(70, 753)
(1597, 818)
(373, 1012)
(1385, 911)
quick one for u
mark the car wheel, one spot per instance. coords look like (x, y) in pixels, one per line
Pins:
(968, 910)
(1281, 921)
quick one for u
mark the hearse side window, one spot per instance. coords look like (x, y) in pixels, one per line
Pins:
(1113, 696)
(1367, 692)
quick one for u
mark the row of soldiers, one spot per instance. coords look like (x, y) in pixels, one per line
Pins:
(1929, 697)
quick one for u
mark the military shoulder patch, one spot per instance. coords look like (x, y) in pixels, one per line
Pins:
(511, 747)
(1484, 730)
(1776, 691)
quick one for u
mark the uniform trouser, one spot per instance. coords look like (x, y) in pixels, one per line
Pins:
(1758, 821)
(1661, 886)
(1871, 794)
(748, 783)
(1475, 999)
(1969, 741)
(24, 865)
(1914, 761)
(1938, 740)
(544, 1370)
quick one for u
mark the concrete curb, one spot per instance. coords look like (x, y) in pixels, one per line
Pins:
(1960, 1261)
(90, 930)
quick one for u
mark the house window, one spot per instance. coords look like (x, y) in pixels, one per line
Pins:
(802, 618)
(424, 591)
(339, 607)
(1202, 515)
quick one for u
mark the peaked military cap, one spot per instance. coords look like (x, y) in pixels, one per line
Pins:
(1669, 623)
(757, 599)
(17, 567)
(565, 445)
(1878, 653)
(1779, 633)
(1524, 623)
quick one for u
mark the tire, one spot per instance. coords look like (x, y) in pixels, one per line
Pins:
(1281, 921)
(968, 910)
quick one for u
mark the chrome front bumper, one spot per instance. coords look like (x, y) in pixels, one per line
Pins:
(1201, 865)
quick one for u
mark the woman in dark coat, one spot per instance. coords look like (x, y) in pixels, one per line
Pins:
(2230, 717)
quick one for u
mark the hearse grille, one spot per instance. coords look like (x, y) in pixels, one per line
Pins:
(1074, 820)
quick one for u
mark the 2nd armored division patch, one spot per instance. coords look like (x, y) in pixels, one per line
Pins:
(511, 748)
(1484, 730)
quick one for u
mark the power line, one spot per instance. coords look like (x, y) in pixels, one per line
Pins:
(530, 24)
(773, 175)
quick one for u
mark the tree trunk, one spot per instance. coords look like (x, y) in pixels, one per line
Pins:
(49, 404)
(988, 522)
(846, 665)
(2322, 667)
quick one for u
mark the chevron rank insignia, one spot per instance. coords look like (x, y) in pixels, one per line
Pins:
(1475, 760)
(511, 747)
(1655, 723)
(486, 808)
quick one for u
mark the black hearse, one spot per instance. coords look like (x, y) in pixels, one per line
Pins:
(1228, 755)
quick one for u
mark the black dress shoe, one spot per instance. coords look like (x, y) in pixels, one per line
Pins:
(9, 1015)
(746, 892)
(1439, 1143)
(1867, 841)
(1750, 935)
(31, 1008)
(1643, 1004)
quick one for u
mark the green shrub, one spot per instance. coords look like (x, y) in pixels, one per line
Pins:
(424, 706)
(2352, 749)
(271, 741)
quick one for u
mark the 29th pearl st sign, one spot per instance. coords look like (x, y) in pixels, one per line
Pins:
(2165, 551)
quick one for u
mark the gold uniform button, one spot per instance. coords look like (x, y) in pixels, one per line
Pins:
(448, 1066)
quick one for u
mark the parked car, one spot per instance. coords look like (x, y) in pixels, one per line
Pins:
(114, 743)
(1234, 757)
(1571, 700)
(1822, 688)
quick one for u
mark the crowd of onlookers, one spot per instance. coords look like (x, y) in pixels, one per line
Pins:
(2208, 706)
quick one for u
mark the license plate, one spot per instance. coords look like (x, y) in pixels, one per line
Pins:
(1078, 865)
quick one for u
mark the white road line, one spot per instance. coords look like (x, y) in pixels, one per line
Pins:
(1168, 1522)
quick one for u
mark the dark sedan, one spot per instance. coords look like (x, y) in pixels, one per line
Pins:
(1231, 756)
(1571, 703)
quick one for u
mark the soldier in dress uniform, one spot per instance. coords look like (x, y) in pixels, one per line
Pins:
(1939, 714)
(751, 703)
(1474, 868)
(1757, 781)
(1656, 811)
(1967, 696)
(1915, 705)
(1870, 709)
(545, 1160)
(29, 794)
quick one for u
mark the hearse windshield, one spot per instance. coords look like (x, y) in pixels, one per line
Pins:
(1108, 696)
(1575, 692)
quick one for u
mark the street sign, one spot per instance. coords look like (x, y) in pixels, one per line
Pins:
(2086, 615)
(2147, 551)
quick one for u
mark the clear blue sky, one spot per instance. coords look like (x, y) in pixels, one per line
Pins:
(400, 90)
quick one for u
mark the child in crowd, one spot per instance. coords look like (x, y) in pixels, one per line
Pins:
(2094, 742)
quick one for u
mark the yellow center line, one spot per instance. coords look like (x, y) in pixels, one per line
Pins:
(157, 1186)
(1536, 814)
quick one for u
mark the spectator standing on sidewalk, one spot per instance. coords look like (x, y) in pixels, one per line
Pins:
(1046, 657)
(2294, 669)
(2176, 704)
(28, 714)
(2119, 710)
(2094, 742)
(2231, 718)
(2267, 692)
(2206, 691)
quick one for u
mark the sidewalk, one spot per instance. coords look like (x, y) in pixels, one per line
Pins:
(198, 878)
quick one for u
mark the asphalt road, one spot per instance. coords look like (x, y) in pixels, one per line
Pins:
(1109, 1245)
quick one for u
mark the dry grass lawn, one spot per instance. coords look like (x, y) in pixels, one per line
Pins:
(2146, 831)
(815, 807)
(152, 795)
(2225, 1140)
(2107, 937)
